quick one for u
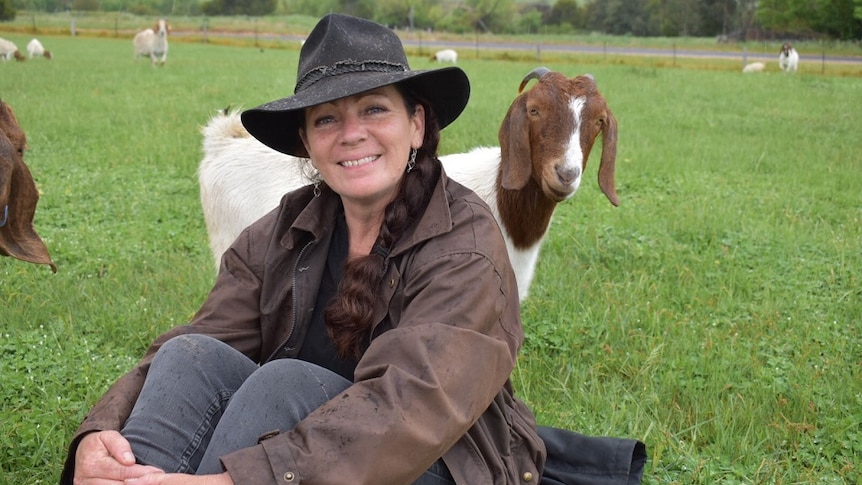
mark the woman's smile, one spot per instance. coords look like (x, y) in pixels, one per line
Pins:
(359, 162)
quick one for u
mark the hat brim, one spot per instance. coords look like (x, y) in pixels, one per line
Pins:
(276, 124)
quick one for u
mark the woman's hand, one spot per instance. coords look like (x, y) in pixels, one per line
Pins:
(180, 479)
(105, 457)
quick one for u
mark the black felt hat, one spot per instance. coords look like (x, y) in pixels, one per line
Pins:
(343, 56)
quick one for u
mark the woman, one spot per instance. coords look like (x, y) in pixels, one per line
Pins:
(362, 332)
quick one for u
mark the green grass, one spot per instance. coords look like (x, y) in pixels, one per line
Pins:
(715, 314)
(282, 32)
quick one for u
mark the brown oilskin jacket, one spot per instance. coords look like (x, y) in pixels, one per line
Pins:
(433, 382)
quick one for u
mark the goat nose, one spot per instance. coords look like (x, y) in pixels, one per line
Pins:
(567, 175)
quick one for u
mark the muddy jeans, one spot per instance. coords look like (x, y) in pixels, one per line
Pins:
(202, 399)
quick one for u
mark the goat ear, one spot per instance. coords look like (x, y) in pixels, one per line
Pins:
(18, 197)
(514, 136)
(609, 158)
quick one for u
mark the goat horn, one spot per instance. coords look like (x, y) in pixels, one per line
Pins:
(536, 73)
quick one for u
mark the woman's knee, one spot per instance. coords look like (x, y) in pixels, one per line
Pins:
(296, 377)
(192, 345)
(193, 353)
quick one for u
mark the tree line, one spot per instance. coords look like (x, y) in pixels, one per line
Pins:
(724, 19)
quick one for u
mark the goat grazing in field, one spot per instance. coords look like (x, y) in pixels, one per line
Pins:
(8, 50)
(18, 196)
(153, 43)
(545, 140)
(754, 67)
(36, 49)
(788, 58)
(446, 55)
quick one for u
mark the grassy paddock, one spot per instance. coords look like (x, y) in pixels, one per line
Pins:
(284, 32)
(714, 315)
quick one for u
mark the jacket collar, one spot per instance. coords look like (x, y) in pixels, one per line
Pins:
(318, 217)
(436, 220)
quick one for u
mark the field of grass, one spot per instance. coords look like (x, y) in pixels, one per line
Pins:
(715, 315)
(284, 31)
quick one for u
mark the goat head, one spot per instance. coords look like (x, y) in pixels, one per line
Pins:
(18, 196)
(540, 127)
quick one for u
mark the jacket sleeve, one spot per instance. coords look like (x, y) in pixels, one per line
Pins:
(422, 384)
(230, 314)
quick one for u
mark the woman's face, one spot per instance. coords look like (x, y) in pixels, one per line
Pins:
(361, 143)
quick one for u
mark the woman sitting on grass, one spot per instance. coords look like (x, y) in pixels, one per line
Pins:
(363, 332)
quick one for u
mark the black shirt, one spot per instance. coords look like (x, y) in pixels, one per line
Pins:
(318, 348)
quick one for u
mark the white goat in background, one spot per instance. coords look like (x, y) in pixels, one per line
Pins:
(36, 49)
(788, 58)
(8, 50)
(446, 55)
(545, 140)
(153, 43)
(754, 67)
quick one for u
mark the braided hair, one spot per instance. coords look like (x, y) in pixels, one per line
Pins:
(349, 315)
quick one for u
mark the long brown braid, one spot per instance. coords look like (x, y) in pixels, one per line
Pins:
(349, 315)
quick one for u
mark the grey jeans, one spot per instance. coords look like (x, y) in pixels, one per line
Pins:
(202, 399)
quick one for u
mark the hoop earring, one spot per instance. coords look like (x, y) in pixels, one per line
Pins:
(412, 162)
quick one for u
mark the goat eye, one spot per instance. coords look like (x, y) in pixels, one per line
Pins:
(534, 112)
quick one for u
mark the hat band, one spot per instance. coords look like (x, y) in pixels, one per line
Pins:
(346, 67)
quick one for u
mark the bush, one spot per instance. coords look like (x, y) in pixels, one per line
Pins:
(239, 7)
(7, 11)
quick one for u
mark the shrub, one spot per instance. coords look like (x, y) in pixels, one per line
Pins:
(7, 11)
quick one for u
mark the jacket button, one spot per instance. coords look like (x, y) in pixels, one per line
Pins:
(528, 476)
(289, 476)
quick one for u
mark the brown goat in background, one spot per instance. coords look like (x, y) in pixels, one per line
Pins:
(18, 196)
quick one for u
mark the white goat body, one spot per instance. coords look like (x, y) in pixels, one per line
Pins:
(754, 67)
(153, 43)
(788, 58)
(445, 55)
(36, 49)
(8, 50)
(241, 179)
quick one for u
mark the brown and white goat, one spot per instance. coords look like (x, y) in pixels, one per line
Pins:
(545, 140)
(8, 50)
(36, 49)
(18, 196)
(788, 58)
(153, 43)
